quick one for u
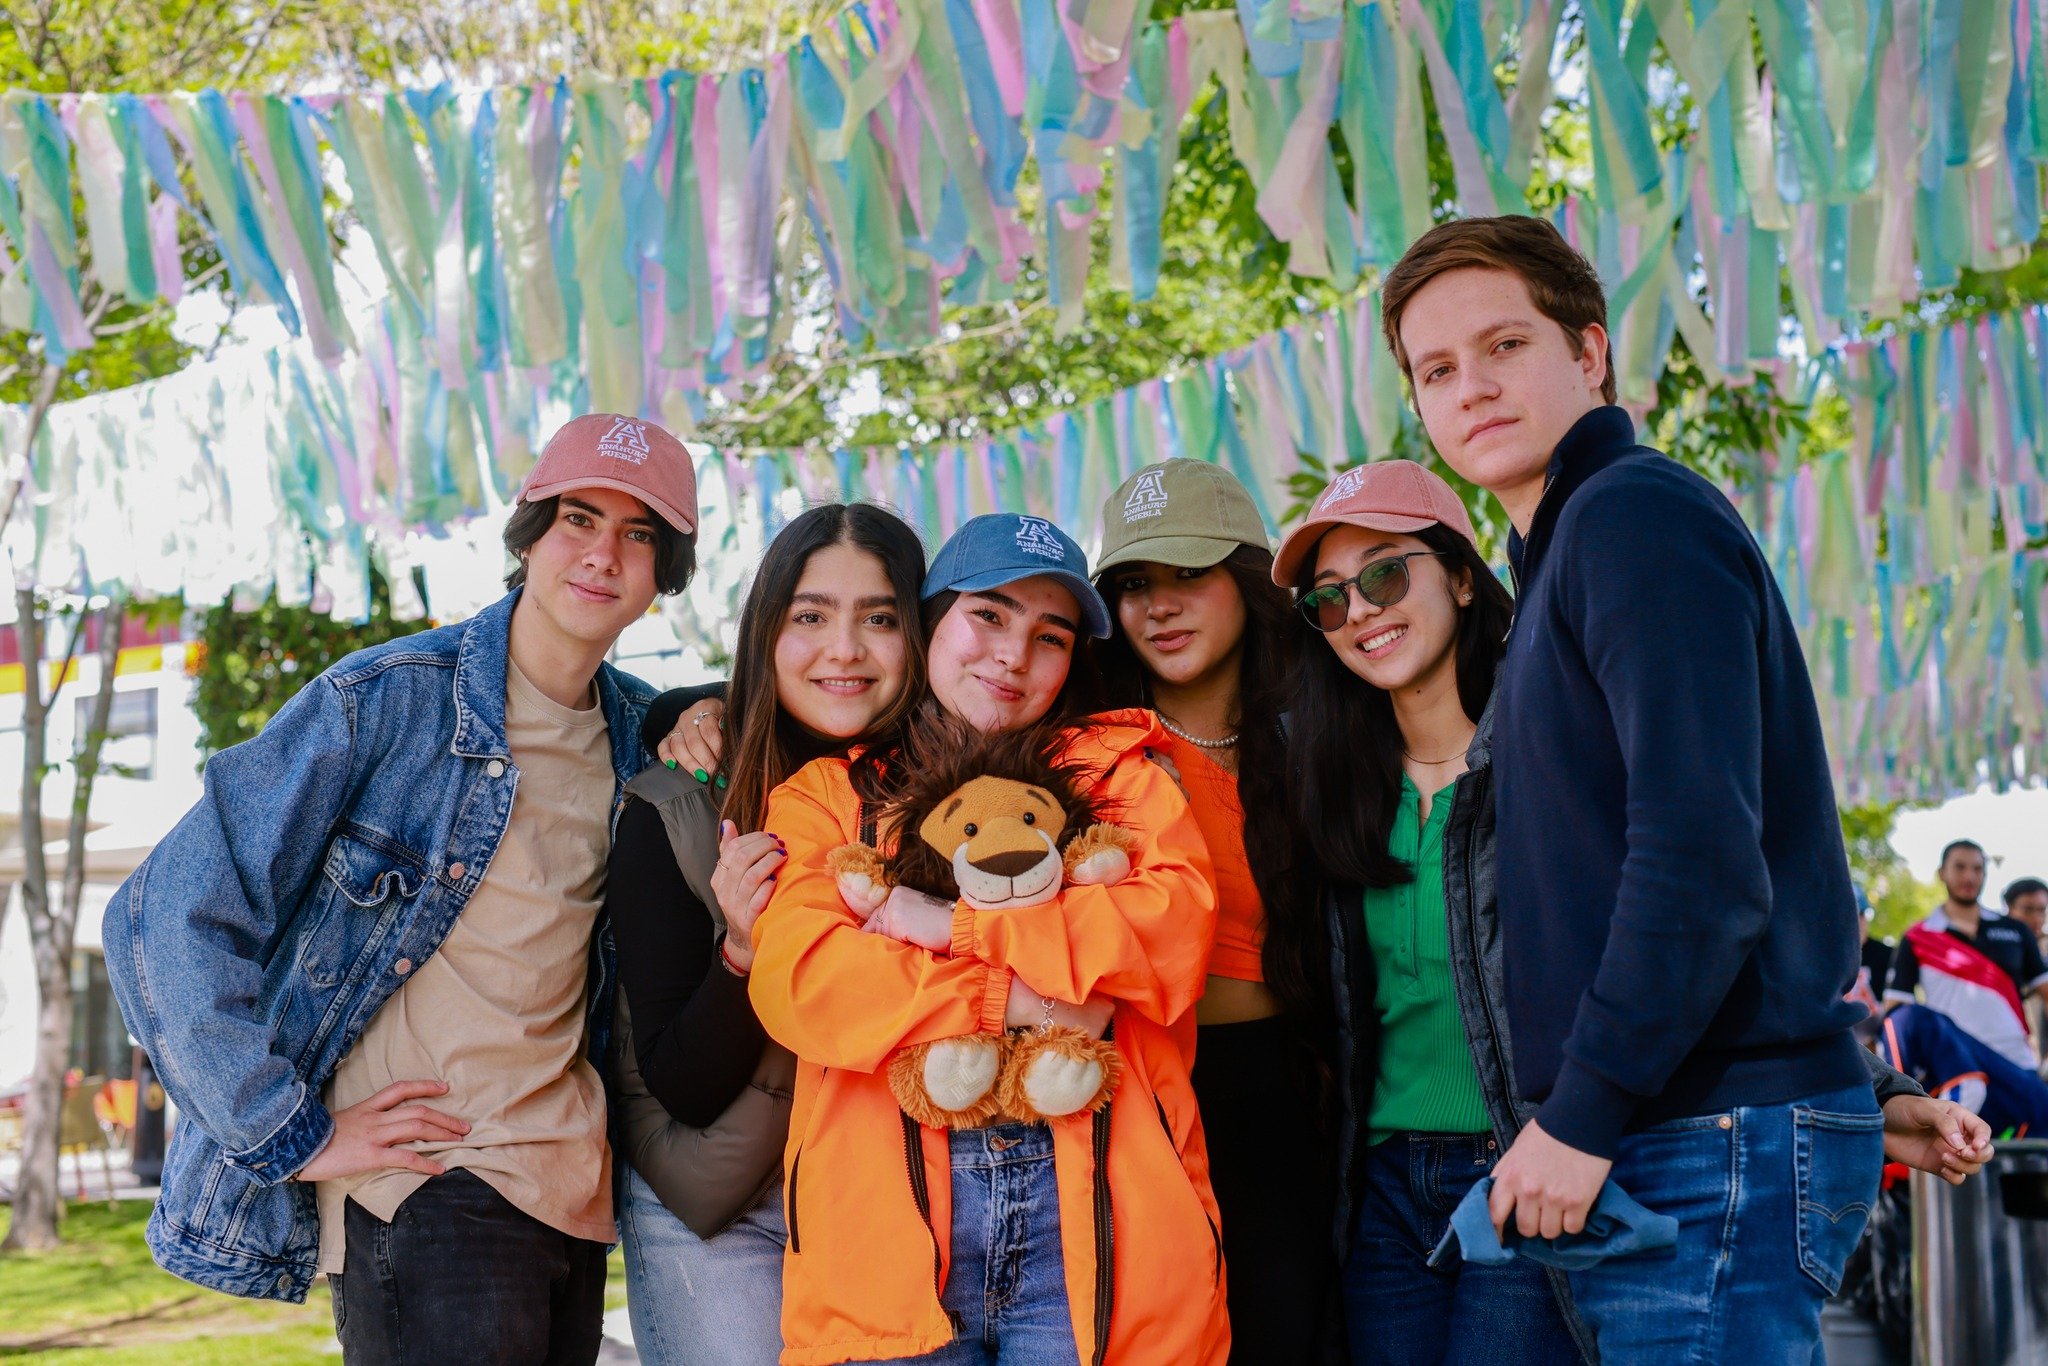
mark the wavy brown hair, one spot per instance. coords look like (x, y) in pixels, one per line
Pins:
(767, 744)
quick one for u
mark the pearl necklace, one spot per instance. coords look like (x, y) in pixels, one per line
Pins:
(1225, 743)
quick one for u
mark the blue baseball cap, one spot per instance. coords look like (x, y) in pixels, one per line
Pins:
(1002, 547)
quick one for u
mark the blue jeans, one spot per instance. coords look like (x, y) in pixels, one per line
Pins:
(1770, 1200)
(1402, 1312)
(1007, 1286)
(698, 1302)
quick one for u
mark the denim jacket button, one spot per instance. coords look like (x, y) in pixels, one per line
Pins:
(284, 1282)
(496, 768)
(402, 966)
(456, 870)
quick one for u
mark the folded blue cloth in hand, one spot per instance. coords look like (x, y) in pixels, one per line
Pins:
(1616, 1227)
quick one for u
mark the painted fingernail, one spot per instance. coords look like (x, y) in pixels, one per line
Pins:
(721, 782)
(702, 776)
(670, 762)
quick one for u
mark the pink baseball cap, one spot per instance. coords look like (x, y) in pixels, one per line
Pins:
(1387, 495)
(607, 451)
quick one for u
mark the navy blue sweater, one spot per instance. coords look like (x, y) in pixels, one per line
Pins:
(1674, 899)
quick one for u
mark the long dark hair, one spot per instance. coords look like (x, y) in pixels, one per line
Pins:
(1344, 744)
(767, 744)
(1266, 667)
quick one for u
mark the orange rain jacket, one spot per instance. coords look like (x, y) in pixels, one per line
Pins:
(868, 1193)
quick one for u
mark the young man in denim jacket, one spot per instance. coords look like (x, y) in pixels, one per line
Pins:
(391, 897)
(1677, 922)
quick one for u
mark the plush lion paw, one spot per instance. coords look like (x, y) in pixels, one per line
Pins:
(950, 1083)
(1057, 1072)
(858, 870)
(1101, 855)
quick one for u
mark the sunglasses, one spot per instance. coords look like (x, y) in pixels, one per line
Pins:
(1381, 583)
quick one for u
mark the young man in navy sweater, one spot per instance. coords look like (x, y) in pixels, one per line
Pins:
(1675, 903)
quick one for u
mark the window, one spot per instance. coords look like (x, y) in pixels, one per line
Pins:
(131, 732)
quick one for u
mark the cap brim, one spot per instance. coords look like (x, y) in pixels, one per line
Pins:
(1093, 609)
(1182, 552)
(1299, 543)
(660, 507)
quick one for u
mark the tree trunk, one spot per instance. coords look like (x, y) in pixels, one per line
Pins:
(38, 1203)
(53, 929)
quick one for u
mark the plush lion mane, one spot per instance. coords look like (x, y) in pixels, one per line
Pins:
(956, 754)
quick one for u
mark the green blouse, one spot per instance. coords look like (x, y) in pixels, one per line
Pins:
(1427, 1083)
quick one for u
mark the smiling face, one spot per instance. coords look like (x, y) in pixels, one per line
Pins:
(999, 657)
(1497, 383)
(1410, 644)
(591, 573)
(1185, 625)
(840, 655)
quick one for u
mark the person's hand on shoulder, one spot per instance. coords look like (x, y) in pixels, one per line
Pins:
(697, 743)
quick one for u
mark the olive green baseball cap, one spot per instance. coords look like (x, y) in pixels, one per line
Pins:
(1186, 513)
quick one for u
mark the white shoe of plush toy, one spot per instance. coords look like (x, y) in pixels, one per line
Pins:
(1059, 1085)
(1102, 868)
(959, 1072)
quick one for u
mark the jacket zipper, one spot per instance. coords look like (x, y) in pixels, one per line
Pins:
(1105, 1235)
(921, 1194)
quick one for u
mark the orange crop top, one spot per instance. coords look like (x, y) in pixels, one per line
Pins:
(1240, 914)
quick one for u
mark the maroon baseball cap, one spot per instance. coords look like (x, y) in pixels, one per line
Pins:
(1387, 495)
(607, 451)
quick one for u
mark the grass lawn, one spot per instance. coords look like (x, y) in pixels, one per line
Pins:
(99, 1301)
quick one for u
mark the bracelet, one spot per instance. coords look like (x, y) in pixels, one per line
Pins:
(1045, 1026)
(726, 959)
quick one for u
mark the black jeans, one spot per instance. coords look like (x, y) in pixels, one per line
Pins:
(463, 1275)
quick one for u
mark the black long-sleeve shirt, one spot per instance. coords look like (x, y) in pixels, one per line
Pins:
(695, 1034)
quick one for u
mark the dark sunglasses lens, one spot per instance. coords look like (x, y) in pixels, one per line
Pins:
(1325, 607)
(1384, 582)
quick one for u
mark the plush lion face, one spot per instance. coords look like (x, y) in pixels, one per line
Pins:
(987, 820)
(1003, 837)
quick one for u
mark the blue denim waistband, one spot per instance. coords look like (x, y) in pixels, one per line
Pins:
(1451, 1149)
(1001, 1144)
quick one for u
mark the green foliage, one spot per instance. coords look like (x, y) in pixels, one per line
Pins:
(251, 663)
(1895, 894)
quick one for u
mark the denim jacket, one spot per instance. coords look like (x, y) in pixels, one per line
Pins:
(327, 859)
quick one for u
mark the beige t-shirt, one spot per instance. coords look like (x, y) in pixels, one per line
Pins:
(498, 1012)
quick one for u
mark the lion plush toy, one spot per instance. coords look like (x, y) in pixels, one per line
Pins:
(1002, 827)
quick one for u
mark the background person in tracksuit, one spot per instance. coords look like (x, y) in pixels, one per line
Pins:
(1678, 924)
(393, 894)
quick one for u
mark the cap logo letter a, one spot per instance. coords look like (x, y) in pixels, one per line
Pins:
(1035, 537)
(1344, 485)
(1148, 499)
(627, 440)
